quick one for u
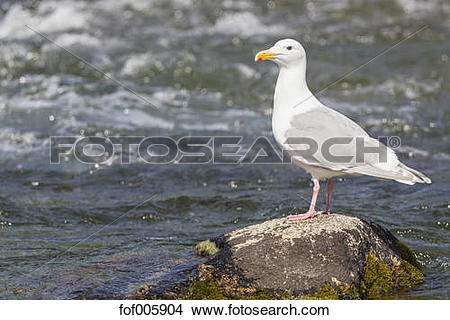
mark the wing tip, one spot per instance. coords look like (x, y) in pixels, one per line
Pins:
(416, 176)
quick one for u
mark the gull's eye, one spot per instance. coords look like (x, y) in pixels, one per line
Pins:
(289, 47)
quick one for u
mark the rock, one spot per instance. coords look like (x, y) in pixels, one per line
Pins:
(329, 256)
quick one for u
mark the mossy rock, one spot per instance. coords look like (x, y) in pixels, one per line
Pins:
(407, 255)
(327, 292)
(204, 290)
(206, 248)
(379, 280)
(328, 257)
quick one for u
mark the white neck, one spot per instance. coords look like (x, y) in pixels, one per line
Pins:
(291, 88)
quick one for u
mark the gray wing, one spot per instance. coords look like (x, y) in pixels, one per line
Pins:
(325, 122)
(337, 135)
(322, 124)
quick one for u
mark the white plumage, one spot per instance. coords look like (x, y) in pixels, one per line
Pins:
(298, 113)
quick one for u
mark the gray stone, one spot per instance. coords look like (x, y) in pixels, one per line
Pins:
(301, 257)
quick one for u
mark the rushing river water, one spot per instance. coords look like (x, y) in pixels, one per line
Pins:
(194, 60)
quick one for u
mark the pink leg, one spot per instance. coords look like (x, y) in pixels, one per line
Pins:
(312, 208)
(330, 190)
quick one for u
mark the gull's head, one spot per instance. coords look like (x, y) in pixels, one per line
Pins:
(286, 52)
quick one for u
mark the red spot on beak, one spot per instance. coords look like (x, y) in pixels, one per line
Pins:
(259, 59)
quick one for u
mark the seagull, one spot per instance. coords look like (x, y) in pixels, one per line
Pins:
(328, 138)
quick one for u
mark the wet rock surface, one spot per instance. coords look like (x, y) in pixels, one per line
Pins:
(329, 257)
(304, 255)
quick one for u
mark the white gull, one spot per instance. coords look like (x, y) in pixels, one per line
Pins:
(343, 147)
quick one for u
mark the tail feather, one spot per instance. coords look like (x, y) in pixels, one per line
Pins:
(401, 173)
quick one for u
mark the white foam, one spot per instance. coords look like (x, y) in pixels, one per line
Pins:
(351, 107)
(118, 5)
(65, 16)
(180, 4)
(418, 6)
(218, 126)
(409, 87)
(247, 71)
(170, 96)
(13, 26)
(242, 4)
(245, 24)
(413, 152)
(27, 103)
(441, 156)
(135, 63)
(50, 17)
(15, 142)
(81, 39)
(136, 118)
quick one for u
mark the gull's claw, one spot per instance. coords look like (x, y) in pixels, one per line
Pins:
(303, 216)
(307, 215)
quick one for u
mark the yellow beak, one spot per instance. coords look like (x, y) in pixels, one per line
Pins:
(264, 55)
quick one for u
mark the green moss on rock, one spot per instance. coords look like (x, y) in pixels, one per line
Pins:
(261, 295)
(327, 292)
(204, 290)
(206, 248)
(379, 279)
(407, 254)
(348, 292)
(406, 276)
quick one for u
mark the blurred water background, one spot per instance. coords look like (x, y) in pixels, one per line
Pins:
(194, 59)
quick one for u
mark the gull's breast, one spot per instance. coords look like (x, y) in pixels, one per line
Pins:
(280, 125)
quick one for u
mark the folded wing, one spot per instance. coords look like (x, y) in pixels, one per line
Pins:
(336, 137)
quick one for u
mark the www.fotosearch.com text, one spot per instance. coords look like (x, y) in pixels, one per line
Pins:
(176, 309)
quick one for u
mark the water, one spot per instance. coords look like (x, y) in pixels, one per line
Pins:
(194, 59)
